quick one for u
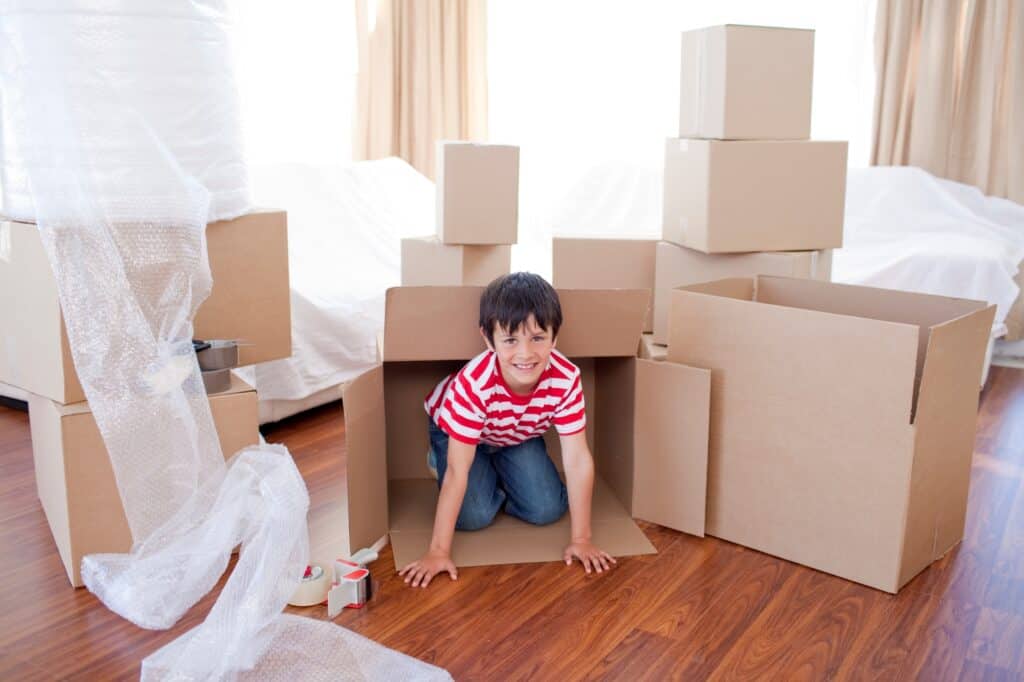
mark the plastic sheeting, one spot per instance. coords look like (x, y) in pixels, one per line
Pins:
(907, 229)
(121, 122)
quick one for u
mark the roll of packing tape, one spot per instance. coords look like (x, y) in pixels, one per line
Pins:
(313, 589)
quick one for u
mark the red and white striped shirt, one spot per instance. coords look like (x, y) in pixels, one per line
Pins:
(476, 405)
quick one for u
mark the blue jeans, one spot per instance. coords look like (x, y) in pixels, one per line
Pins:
(522, 478)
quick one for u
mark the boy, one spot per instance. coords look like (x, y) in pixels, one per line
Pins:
(486, 424)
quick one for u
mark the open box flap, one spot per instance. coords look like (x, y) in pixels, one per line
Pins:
(945, 424)
(671, 445)
(441, 323)
(366, 468)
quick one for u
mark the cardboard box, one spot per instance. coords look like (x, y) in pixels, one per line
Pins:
(651, 461)
(76, 482)
(729, 197)
(1015, 317)
(426, 261)
(250, 300)
(746, 83)
(477, 193)
(600, 263)
(678, 266)
(651, 350)
(842, 419)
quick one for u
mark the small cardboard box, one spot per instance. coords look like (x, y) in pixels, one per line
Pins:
(250, 301)
(646, 424)
(842, 419)
(477, 193)
(76, 482)
(746, 82)
(729, 197)
(677, 266)
(651, 350)
(604, 263)
(426, 261)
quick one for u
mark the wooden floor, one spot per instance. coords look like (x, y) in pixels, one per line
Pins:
(699, 609)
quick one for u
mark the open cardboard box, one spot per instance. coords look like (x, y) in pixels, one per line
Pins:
(647, 424)
(842, 419)
(250, 300)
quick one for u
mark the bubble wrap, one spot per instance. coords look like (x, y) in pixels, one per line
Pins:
(120, 127)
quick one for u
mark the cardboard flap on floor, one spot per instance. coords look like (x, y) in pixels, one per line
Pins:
(813, 454)
(430, 332)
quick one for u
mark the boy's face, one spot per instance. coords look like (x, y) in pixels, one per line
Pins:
(522, 354)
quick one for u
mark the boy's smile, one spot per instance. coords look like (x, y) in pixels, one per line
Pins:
(522, 354)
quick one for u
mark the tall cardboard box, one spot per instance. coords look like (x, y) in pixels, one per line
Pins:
(746, 83)
(604, 263)
(740, 196)
(427, 261)
(842, 419)
(250, 300)
(477, 193)
(76, 482)
(676, 266)
(646, 425)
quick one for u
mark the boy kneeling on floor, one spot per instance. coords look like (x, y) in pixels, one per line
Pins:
(486, 424)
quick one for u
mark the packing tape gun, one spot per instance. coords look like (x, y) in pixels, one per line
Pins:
(351, 587)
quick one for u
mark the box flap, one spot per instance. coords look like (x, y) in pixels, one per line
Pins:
(671, 445)
(366, 469)
(432, 323)
(602, 322)
(507, 540)
(945, 429)
(442, 323)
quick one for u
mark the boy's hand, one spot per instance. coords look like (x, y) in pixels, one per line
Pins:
(589, 555)
(419, 573)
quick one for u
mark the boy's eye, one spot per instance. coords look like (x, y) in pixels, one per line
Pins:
(538, 338)
(509, 342)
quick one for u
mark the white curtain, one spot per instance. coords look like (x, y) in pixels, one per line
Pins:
(597, 93)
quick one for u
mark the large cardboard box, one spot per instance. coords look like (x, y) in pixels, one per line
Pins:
(76, 482)
(426, 261)
(250, 301)
(842, 419)
(477, 193)
(677, 266)
(746, 82)
(728, 197)
(646, 423)
(604, 263)
(1015, 318)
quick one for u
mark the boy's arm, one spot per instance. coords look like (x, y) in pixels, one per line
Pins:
(579, 479)
(449, 502)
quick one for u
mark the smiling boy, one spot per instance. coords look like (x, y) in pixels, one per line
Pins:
(487, 422)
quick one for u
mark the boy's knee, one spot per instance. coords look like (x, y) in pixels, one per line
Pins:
(474, 518)
(547, 510)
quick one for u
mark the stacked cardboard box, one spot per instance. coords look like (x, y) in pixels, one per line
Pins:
(73, 473)
(477, 218)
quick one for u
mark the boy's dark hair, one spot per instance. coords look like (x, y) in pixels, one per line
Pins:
(510, 300)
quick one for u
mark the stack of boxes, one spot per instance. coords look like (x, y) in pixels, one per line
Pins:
(250, 301)
(477, 218)
(745, 191)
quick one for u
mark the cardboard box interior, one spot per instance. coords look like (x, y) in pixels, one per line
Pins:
(745, 196)
(35, 355)
(604, 263)
(426, 261)
(391, 490)
(679, 266)
(75, 480)
(842, 419)
(477, 193)
(746, 82)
